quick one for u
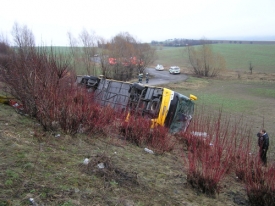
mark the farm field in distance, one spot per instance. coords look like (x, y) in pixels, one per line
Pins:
(237, 56)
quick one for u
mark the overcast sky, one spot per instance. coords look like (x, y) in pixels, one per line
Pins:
(146, 20)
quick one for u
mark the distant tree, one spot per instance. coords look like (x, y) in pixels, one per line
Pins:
(23, 37)
(5, 50)
(89, 49)
(83, 50)
(132, 57)
(204, 61)
(103, 55)
(74, 49)
(250, 67)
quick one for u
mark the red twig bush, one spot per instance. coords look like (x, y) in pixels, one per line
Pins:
(161, 140)
(137, 129)
(260, 183)
(46, 86)
(210, 150)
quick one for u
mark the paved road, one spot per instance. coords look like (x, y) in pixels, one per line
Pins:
(163, 77)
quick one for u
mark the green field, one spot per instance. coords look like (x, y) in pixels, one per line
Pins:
(237, 56)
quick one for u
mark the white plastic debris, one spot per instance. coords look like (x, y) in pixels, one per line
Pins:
(33, 202)
(86, 161)
(101, 165)
(15, 105)
(199, 134)
(211, 144)
(148, 150)
(57, 135)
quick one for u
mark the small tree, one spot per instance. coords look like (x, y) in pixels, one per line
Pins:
(83, 50)
(132, 57)
(250, 67)
(204, 61)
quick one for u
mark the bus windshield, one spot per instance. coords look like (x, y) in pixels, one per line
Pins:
(183, 114)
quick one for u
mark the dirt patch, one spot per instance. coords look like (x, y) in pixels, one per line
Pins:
(102, 166)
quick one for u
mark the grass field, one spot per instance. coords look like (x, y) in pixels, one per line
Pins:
(237, 56)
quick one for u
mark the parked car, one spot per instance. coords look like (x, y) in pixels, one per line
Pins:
(159, 67)
(174, 70)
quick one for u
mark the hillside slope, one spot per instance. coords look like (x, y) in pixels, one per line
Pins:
(49, 168)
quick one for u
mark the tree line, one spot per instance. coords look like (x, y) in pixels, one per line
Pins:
(92, 54)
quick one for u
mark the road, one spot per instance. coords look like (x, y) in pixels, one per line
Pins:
(163, 77)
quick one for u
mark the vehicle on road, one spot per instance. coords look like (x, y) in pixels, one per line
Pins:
(159, 67)
(164, 107)
(174, 70)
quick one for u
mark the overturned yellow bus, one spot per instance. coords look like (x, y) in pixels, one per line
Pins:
(163, 106)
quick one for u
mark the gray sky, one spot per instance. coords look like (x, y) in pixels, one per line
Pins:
(146, 20)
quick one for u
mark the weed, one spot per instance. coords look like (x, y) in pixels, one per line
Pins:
(8, 182)
(67, 203)
(11, 174)
(113, 183)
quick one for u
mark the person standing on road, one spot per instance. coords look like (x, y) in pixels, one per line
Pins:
(263, 143)
(140, 78)
(147, 78)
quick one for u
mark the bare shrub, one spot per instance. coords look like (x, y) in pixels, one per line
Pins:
(204, 61)
(161, 140)
(33, 74)
(243, 157)
(136, 129)
(100, 120)
(210, 150)
(260, 183)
